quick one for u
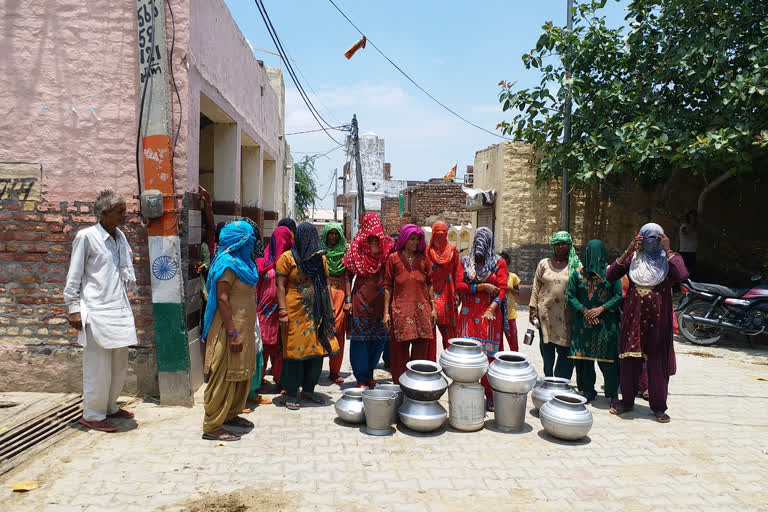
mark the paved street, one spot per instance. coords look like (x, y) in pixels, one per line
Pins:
(712, 456)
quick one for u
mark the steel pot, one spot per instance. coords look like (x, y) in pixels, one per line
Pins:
(423, 381)
(467, 406)
(349, 408)
(464, 360)
(548, 387)
(422, 416)
(511, 372)
(378, 406)
(566, 416)
(509, 410)
(395, 388)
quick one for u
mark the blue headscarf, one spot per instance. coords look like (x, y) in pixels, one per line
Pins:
(236, 243)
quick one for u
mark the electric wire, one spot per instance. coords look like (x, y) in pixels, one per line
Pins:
(173, 79)
(368, 40)
(291, 72)
(341, 128)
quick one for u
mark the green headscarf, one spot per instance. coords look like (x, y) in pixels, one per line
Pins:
(595, 260)
(334, 254)
(563, 237)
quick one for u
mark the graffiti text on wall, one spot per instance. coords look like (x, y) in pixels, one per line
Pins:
(20, 181)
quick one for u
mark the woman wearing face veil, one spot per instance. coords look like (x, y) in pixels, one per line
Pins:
(646, 324)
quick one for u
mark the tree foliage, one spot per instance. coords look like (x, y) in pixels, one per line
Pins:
(684, 86)
(306, 186)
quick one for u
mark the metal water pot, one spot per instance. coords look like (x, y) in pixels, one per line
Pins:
(349, 408)
(423, 381)
(566, 416)
(511, 372)
(548, 387)
(464, 360)
(422, 416)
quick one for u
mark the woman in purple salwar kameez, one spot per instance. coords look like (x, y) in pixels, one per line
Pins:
(646, 323)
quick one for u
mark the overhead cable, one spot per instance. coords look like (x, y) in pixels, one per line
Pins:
(413, 81)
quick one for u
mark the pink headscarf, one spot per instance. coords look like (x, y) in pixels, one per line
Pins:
(405, 233)
(280, 241)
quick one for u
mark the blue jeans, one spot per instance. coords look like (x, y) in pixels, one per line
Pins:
(564, 366)
(364, 356)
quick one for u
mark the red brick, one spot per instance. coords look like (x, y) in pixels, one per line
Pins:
(29, 279)
(56, 310)
(21, 236)
(11, 247)
(89, 219)
(55, 228)
(16, 291)
(56, 258)
(14, 207)
(34, 247)
(57, 237)
(30, 300)
(55, 280)
(11, 227)
(41, 269)
(56, 218)
(52, 300)
(26, 217)
(33, 226)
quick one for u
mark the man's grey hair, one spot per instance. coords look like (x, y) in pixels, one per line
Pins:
(106, 200)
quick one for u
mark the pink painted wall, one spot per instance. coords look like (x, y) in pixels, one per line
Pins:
(61, 59)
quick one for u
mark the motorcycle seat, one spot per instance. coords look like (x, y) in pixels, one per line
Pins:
(730, 293)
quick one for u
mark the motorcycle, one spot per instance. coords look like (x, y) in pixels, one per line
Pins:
(706, 311)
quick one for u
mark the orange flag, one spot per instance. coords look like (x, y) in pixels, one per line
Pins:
(352, 49)
(451, 175)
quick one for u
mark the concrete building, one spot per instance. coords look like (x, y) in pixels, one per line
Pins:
(70, 117)
(377, 180)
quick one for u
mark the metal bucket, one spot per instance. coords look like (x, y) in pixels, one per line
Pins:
(395, 388)
(467, 406)
(380, 408)
(509, 410)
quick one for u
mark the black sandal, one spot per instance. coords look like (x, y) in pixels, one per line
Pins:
(237, 421)
(225, 436)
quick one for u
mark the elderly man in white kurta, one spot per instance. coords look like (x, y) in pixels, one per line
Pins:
(100, 273)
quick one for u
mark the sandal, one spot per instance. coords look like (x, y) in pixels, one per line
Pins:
(314, 397)
(237, 421)
(292, 404)
(644, 395)
(662, 417)
(336, 378)
(614, 402)
(259, 400)
(619, 408)
(489, 404)
(223, 436)
(101, 425)
(122, 414)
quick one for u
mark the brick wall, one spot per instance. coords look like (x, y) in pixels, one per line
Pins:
(424, 204)
(37, 346)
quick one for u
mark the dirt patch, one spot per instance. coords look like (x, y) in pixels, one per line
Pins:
(248, 499)
(700, 354)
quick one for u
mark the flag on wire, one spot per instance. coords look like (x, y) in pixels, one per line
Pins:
(352, 49)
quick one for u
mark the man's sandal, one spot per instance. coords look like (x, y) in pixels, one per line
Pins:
(101, 425)
(122, 414)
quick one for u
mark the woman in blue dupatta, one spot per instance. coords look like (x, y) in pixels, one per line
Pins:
(228, 328)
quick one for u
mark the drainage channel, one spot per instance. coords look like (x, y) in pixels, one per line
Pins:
(38, 433)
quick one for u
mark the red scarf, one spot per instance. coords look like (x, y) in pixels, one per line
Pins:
(440, 251)
(359, 259)
(280, 241)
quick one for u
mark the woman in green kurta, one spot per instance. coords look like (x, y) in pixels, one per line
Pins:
(595, 323)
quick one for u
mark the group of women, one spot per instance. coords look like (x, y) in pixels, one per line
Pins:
(310, 293)
(583, 318)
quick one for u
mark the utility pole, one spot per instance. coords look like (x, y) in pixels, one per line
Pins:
(358, 168)
(565, 215)
(335, 193)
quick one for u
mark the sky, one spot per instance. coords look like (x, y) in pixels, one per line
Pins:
(456, 50)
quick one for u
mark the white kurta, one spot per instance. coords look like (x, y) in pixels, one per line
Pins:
(100, 270)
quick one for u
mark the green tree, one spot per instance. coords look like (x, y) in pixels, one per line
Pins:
(683, 88)
(306, 186)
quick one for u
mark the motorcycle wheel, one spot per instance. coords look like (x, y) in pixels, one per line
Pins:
(700, 334)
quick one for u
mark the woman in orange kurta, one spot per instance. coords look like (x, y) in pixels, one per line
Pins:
(447, 283)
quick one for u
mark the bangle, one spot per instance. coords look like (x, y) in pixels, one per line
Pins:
(232, 334)
(473, 288)
(348, 299)
(497, 301)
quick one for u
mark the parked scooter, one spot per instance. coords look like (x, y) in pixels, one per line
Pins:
(706, 311)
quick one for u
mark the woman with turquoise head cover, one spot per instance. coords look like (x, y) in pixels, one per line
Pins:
(229, 331)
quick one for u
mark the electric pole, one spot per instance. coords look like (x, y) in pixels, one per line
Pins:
(335, 193)
(565, 216)
(358, 168)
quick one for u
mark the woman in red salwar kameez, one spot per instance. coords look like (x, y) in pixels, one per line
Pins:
(408, 288)
(447, 283)
(483, 307)
(266, 289)
(646, 323)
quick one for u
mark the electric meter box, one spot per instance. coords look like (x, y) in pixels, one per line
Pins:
(152, 204)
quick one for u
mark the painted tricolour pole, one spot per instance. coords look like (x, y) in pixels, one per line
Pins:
(172, 351)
